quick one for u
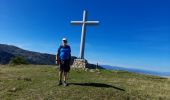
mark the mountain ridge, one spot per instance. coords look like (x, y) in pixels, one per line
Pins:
(7, 52)
(142, 71)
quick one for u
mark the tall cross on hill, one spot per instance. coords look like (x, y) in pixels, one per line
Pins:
(84, 23)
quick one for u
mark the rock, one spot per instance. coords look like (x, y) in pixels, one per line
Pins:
(92, 70)
(79, 63)
(97, 70)
(13, 89)
(86, 69)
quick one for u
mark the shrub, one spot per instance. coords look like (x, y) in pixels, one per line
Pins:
(18, 61)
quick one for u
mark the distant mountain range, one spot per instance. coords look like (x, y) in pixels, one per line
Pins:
(7, 52)
(108, 67)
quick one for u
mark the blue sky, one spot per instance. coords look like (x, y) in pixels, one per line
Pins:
(132, 33)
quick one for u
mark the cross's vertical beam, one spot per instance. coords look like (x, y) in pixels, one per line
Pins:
(83, 35)
(84, 22)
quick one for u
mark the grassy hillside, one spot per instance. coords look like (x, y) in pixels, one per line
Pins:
(39, 82)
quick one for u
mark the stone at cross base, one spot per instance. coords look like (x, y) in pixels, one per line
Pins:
(80, 63)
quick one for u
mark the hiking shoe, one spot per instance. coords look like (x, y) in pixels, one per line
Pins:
(60, 83)
(65, 84)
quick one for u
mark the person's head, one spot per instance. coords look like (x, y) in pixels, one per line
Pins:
(64, 41)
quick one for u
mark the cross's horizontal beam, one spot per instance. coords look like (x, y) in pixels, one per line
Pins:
(92, 22)
(76, 22)
(86, 22)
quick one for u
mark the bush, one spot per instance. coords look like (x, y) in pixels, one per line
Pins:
(18, 61)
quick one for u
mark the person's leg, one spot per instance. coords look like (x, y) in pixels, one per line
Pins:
(60, 77)
(66, 70)
(60, 73)
(65, 78)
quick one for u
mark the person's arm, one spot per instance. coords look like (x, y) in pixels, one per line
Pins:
(70, 53)
(58, 56)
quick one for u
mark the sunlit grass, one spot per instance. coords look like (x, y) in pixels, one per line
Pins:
(39, 82)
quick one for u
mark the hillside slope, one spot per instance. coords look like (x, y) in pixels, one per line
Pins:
(7, 52)
(39, 82)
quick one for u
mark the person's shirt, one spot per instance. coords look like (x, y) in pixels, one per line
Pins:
(64, 52)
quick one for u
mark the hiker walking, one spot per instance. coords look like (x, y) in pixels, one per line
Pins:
(63, 58)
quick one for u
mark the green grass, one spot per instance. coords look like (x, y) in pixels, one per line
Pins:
(39, 82)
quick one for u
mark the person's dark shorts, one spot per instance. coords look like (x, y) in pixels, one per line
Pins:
(65, 65)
